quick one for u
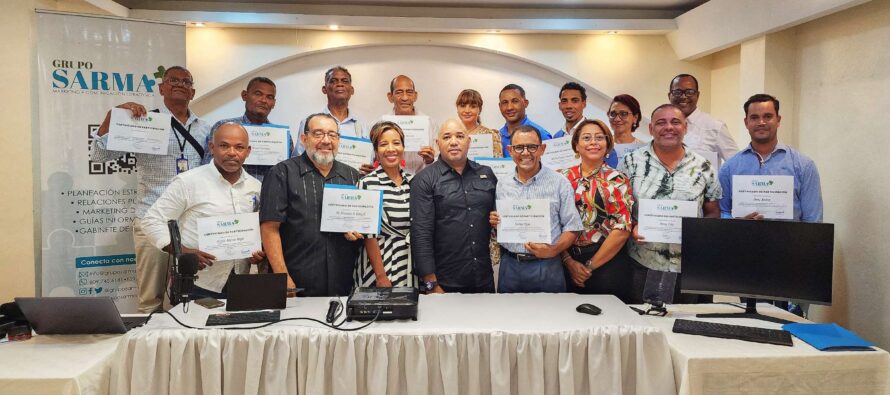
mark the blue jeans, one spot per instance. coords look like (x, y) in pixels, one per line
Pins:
(542, 275)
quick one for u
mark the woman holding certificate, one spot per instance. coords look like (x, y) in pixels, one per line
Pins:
(596, 263)
(386, 259)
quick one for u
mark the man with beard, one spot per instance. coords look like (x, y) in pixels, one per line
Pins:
(290, 214)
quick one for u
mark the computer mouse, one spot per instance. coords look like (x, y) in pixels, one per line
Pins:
(588, 308)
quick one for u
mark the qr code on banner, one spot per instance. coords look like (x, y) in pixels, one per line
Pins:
(124, 164)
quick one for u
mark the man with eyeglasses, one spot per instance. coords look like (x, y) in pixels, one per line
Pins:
(665, 169)
(572, 102)
(222, 187)
(339, 90)
(403, 94)
(536, 267)
(705, 134)
(512, 103)
(450, 231)
(186, 146)
(290, 214)
(259, 100)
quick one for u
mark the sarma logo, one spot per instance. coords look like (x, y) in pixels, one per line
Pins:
(761, 183)
(225, 224)
(80, 77)
(667, 207)
(522, 207)
(348, 196)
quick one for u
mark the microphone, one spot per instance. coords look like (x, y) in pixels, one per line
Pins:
(175, 238)
(184, 279)
(333, 307)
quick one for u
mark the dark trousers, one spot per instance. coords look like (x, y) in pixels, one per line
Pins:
(539, 275)
(487, 288)
(615, 277)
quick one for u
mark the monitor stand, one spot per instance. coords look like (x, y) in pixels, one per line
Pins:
(750, 312)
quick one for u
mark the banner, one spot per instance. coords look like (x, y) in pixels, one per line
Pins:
(86, 65)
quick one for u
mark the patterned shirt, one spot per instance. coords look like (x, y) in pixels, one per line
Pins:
(154, 172)
(694, 179)
(395, 225)
(257, 171)
(604, 200)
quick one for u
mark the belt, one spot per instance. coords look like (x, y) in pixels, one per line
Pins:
(581, 250)
(520, 257)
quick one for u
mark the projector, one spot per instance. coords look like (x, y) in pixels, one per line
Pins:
(397, 303)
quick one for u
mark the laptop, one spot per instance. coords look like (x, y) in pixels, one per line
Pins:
(256, 291)
(76, 315)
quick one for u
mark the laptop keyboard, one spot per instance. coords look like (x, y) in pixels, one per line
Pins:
(250, 317)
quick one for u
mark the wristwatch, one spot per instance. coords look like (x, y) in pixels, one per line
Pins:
(428, 286)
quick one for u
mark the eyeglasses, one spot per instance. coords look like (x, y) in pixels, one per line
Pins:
(600, 138)
(532, 148)
(683, 92)
(185, 83)
(320, 134)
(618, 114)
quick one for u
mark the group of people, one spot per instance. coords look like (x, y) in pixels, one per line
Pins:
(440, 215)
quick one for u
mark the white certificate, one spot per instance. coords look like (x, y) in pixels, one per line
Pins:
(347, 209)
(661, 221)
(355, 152)
(233, 236)
(770, 196)
(712, 157)
(481, 146)
(268, 144)
(416, 129)
(524, 221)
(148, 135)
(623, 149)
(503, 168)
(559, 154)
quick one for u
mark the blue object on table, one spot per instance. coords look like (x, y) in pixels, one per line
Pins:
(828, 337)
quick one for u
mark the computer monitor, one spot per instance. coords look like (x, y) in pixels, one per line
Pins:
(776, 260)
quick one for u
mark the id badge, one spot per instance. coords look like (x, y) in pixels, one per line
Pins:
(182, 165)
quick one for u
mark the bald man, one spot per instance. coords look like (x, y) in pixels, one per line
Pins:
(220, 188)
(402, 94)
(450, 202)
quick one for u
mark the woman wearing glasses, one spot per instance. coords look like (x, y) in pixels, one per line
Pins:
(597, 263)
(624, 117)
(386, 259)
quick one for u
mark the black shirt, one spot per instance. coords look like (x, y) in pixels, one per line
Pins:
(449, 223)
(322, 263)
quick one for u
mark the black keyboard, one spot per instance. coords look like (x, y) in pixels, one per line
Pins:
(738, 332)
(250, 317)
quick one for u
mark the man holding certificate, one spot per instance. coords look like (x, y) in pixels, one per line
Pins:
(291, 215)
(274, 140)
(512, 103)
(536, 220)
(768, 179)
(215, 206)
(418, 128)
(182, 150)
(572, 102)
(668, 182)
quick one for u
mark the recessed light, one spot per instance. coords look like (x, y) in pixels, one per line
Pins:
(612, 32)
(334, 27)
(198, 24)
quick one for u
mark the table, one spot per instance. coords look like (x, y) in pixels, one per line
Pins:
(460, 344)
(54, 364)
(707, 365)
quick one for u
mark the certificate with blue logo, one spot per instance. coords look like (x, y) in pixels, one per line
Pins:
(661, 221)
(355, 152)
(234, 236)
(770, 196)
(524, 221)
(347, 209)
(147, 135)
(268, 144)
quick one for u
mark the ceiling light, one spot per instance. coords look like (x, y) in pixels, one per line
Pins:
(612, 32)
(334, 27)
(198, 24)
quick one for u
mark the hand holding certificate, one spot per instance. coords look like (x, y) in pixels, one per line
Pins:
(481, 145)
(227, 237)
(268, 144)
(347, 209)
(660, 221)
(524, 221)
(559, 154)
(147, 135)
(770, 196)
(416, 129)
(355, 152)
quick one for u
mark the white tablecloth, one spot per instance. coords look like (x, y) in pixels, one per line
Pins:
(461, 344)
(52, 364)
(707, 365)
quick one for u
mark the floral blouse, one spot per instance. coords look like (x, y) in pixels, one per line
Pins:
(603, 199)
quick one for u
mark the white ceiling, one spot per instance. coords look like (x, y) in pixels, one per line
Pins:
(673, 5)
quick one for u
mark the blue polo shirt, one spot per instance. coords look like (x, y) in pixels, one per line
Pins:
(505, 134)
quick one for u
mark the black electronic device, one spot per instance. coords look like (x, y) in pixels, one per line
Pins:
(397, 303)
(249, 317)
(256, 291)
(738, 332)
(588, 308)
(775, 260)
(76, 315)
(184, 276)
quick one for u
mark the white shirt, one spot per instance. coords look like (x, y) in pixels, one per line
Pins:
(200, 193)
(706, 133)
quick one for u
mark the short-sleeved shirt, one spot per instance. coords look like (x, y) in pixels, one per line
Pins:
(783, 161)
(547, 185)
(694, 179)
(257, 171)
(320, 262)
(505, 134)
(449, 223)
(604, 199)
